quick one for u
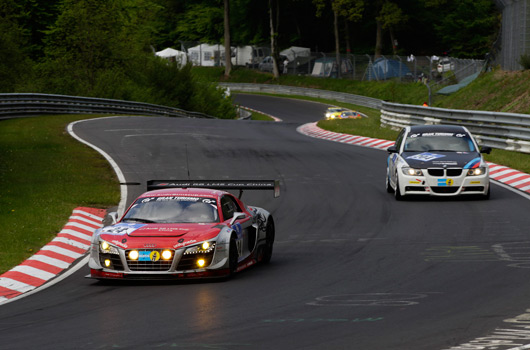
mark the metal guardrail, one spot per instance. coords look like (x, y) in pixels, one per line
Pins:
(13, 105)
(299, 91)
(509, 131)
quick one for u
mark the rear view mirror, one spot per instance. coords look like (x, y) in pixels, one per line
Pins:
(485, 149)
(237, 216)
(391, 149)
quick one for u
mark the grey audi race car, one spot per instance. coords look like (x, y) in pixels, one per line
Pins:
(437, 160)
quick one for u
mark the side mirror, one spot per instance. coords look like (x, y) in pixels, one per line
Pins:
(110, 218)
(485, 149)
(391, 149)
(237, 216)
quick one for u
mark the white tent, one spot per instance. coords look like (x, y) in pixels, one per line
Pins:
(295, 51)
(172, 54)
(207, 55)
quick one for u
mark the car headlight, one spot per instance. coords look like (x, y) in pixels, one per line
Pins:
(411, 171)
(476, 171)
(203, 248)
(107, 248)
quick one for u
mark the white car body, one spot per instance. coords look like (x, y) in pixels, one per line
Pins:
(437, 160)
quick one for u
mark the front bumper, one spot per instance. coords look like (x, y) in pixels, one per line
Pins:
(180, 266)
(444, 185)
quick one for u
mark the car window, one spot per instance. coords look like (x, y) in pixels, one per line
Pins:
(229, 206)
(430, 142)
(399, 139)
(173, 209)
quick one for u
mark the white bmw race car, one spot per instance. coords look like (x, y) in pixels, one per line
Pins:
(438, 160)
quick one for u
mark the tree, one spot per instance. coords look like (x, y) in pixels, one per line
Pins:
(351, 10)
(389, 17)
(14, 62)
(228, 50)
(274, 14)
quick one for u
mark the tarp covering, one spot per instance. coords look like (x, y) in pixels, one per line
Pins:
(383, 68)
(295, 51)
(454, 88)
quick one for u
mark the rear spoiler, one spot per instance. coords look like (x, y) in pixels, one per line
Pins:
(240, 185)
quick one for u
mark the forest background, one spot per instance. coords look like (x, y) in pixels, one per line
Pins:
(104, 48)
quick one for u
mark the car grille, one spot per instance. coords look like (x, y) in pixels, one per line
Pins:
(137, 265)
(444, 189)
(435, 172)
(439, 172)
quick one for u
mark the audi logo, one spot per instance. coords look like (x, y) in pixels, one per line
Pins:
(149, 245)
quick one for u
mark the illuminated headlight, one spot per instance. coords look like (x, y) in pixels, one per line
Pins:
(328, 115)
(476, 171)
(105, 247)
(134, 255)
(205, 247)
(412, 171)
(167, 254)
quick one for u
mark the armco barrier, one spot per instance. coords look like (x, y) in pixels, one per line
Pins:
(509, 131)
(13, 105)
(291, 90)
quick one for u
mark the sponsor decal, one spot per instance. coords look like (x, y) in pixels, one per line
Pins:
(415, 182)
(120, 244)
(445, 182)
(446, 162)
(237, 227)
(426, 156)
(474, 182)
(154, 256)
(475, 163)
(121, 229)
(182, 243)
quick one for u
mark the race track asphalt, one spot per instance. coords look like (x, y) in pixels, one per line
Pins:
(352, 268)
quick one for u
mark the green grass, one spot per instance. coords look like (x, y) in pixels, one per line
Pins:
(45, 174)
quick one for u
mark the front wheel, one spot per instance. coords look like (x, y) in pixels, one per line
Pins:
(269, 241)
(397, 192)
(232, 257)
(389, 188)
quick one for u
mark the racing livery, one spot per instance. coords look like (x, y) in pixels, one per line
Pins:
(438, 160)
(185, 229)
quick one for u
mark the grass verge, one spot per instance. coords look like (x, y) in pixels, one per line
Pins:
(46, 174)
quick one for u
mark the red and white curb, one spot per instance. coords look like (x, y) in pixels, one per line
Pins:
(510, 177)
(70, 244)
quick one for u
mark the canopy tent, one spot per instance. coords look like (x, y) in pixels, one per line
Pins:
(172, 54)
(327, 67)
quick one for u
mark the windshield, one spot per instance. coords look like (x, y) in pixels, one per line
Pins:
(172, 209)
(448, 142)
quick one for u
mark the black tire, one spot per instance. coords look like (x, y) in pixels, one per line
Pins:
(487, 195)
(389, 188)
(232, 257)
(397, 192)
(269, 241)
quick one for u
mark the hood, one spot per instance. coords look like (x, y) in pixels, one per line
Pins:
(434, 159)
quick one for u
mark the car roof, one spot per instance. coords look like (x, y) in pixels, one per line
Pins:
(184, 192)
(437, 128)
